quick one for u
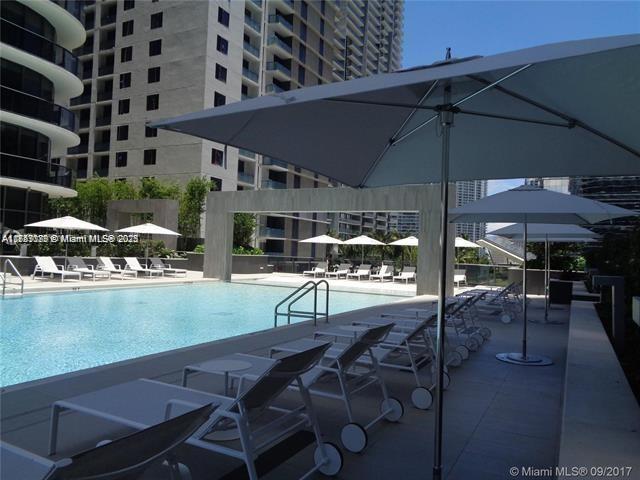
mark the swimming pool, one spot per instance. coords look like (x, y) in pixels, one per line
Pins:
(48, 334)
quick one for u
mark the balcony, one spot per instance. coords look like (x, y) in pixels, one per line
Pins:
(101, 146)
(101, 172)
(105, 95)
(252, 23)
(74, 7)
(278, 67)
(246, 178)
(273, 88)
(34, 170)
(277, 42)
(274, 162)
(247, 153)
(21, 38)
(81, 100)
(250, 74)
(277, 19)
(86, 49)
(107, 43)
(84, 122)
(78, 149)
(272, 232)
(251, 49)
(34, 107)
(88, 73)
(104, 120)
(107, 19)
(105, 70)
(273, 184)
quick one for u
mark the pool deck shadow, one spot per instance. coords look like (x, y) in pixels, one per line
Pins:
(496, 415)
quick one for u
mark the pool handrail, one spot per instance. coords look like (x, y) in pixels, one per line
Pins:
(16, 273)
(298, 293)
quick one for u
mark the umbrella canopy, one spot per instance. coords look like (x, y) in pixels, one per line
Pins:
(362, 240)
(67, 223)
(551, 98)
(326, 239)
(464, 243)
(149, 229)
(410, 241)
(543, 231)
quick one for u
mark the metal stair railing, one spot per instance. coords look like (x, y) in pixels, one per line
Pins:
(298, 294)
(5, 279)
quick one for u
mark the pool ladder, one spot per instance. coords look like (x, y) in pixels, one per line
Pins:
(6, 278)
(309, 287)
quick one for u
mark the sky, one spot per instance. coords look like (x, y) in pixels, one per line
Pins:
(488, 27)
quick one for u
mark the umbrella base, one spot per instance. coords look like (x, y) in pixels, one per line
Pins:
(529, 360)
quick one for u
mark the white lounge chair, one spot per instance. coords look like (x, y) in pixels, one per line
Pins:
(134, 265)
(342, 271)
(166, 267)
(251, 415)
(77, 264)
(459, 276)
(408, 274)
(363, 272)
(319, 270)
(46, 266)
(385, 272)
(106, 264)
(126, 456)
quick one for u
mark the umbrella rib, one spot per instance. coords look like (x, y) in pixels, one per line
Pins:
(572, 121)
(515, 119)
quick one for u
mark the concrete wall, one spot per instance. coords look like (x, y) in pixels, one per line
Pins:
(424, 199)
(165, 214)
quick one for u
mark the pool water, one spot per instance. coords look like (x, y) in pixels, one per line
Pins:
(48, 334)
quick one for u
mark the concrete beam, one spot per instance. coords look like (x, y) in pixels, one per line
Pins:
(424, 199)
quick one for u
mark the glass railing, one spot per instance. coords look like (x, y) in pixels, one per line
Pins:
(245, 177)
(257, 2)
(274, 40)
(252, 23)
(250, 74)
(74, 7)
(108, 19)
(281, 20)
(494, 275)
(106, 95)
(35, 107)
(101, 146)
(34, 170)
(271, 232)
(271, 66)
(107, 43)
(251, 49)
(273, 88)
(275, 162)
(273, 184)
(81, 100)
(246, 153)
(105, 70)
(102, 121)
(78, 149)
(30, 42)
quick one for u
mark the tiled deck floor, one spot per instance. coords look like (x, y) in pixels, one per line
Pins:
(496, 415)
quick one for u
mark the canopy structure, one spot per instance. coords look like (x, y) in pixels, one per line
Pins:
(148, 229)
(529, 204)
(362, 240)
(409, 241)
(464, 243)
(552, 110)
(547, 233)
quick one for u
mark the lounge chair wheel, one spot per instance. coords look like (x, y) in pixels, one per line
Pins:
(478, 338)
(422, 398)
(505, 318)
(446, 380)
(454, 359)
(463, 351)
(472, 344)
(331, 462)
(485, 332)
(354, 437)
(395, 408)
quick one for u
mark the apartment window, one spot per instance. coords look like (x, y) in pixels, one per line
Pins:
(126, 54)
(153, 102)
(150, 157)
(320, 67)
(127, 28)
(125, 80)
(122, 132)
(219, 99)
(155, 47)
(123, 106)
(303, 10)
(302, 53)
(129, 4)
(217, 157)
(156, 20)
(223, 17)
(321, 26)
(153, 75)
(303, 32)
(221, 73)
(222, 45)
(301, 75)
(121, 159)
(321, 47)
(150, 132)
(216, 184)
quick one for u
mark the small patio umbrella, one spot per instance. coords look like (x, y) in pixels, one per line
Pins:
(362, 240)
(529, 204)
(67, 223)
(548, 232)
(148, 229)
(515, 114)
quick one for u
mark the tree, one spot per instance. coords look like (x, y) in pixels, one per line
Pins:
(192, 206)
(151, 187)
(244, 226)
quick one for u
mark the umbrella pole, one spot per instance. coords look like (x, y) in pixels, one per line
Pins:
(446, 119)
(547, 276)
(524, 358)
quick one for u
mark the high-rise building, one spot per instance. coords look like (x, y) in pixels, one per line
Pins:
(623, 191)
(37, 79)
(559, 184)
(467, 192)
(406, 223)
(145, 60)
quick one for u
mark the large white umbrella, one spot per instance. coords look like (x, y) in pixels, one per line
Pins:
(362, 240)
(537, 112)
(548, 232)
(68, 223)
(409, 241)
(148, 229)
(529, 204)
(326, 239)
(464, 243)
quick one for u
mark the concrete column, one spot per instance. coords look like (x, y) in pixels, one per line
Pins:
(218, 244)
